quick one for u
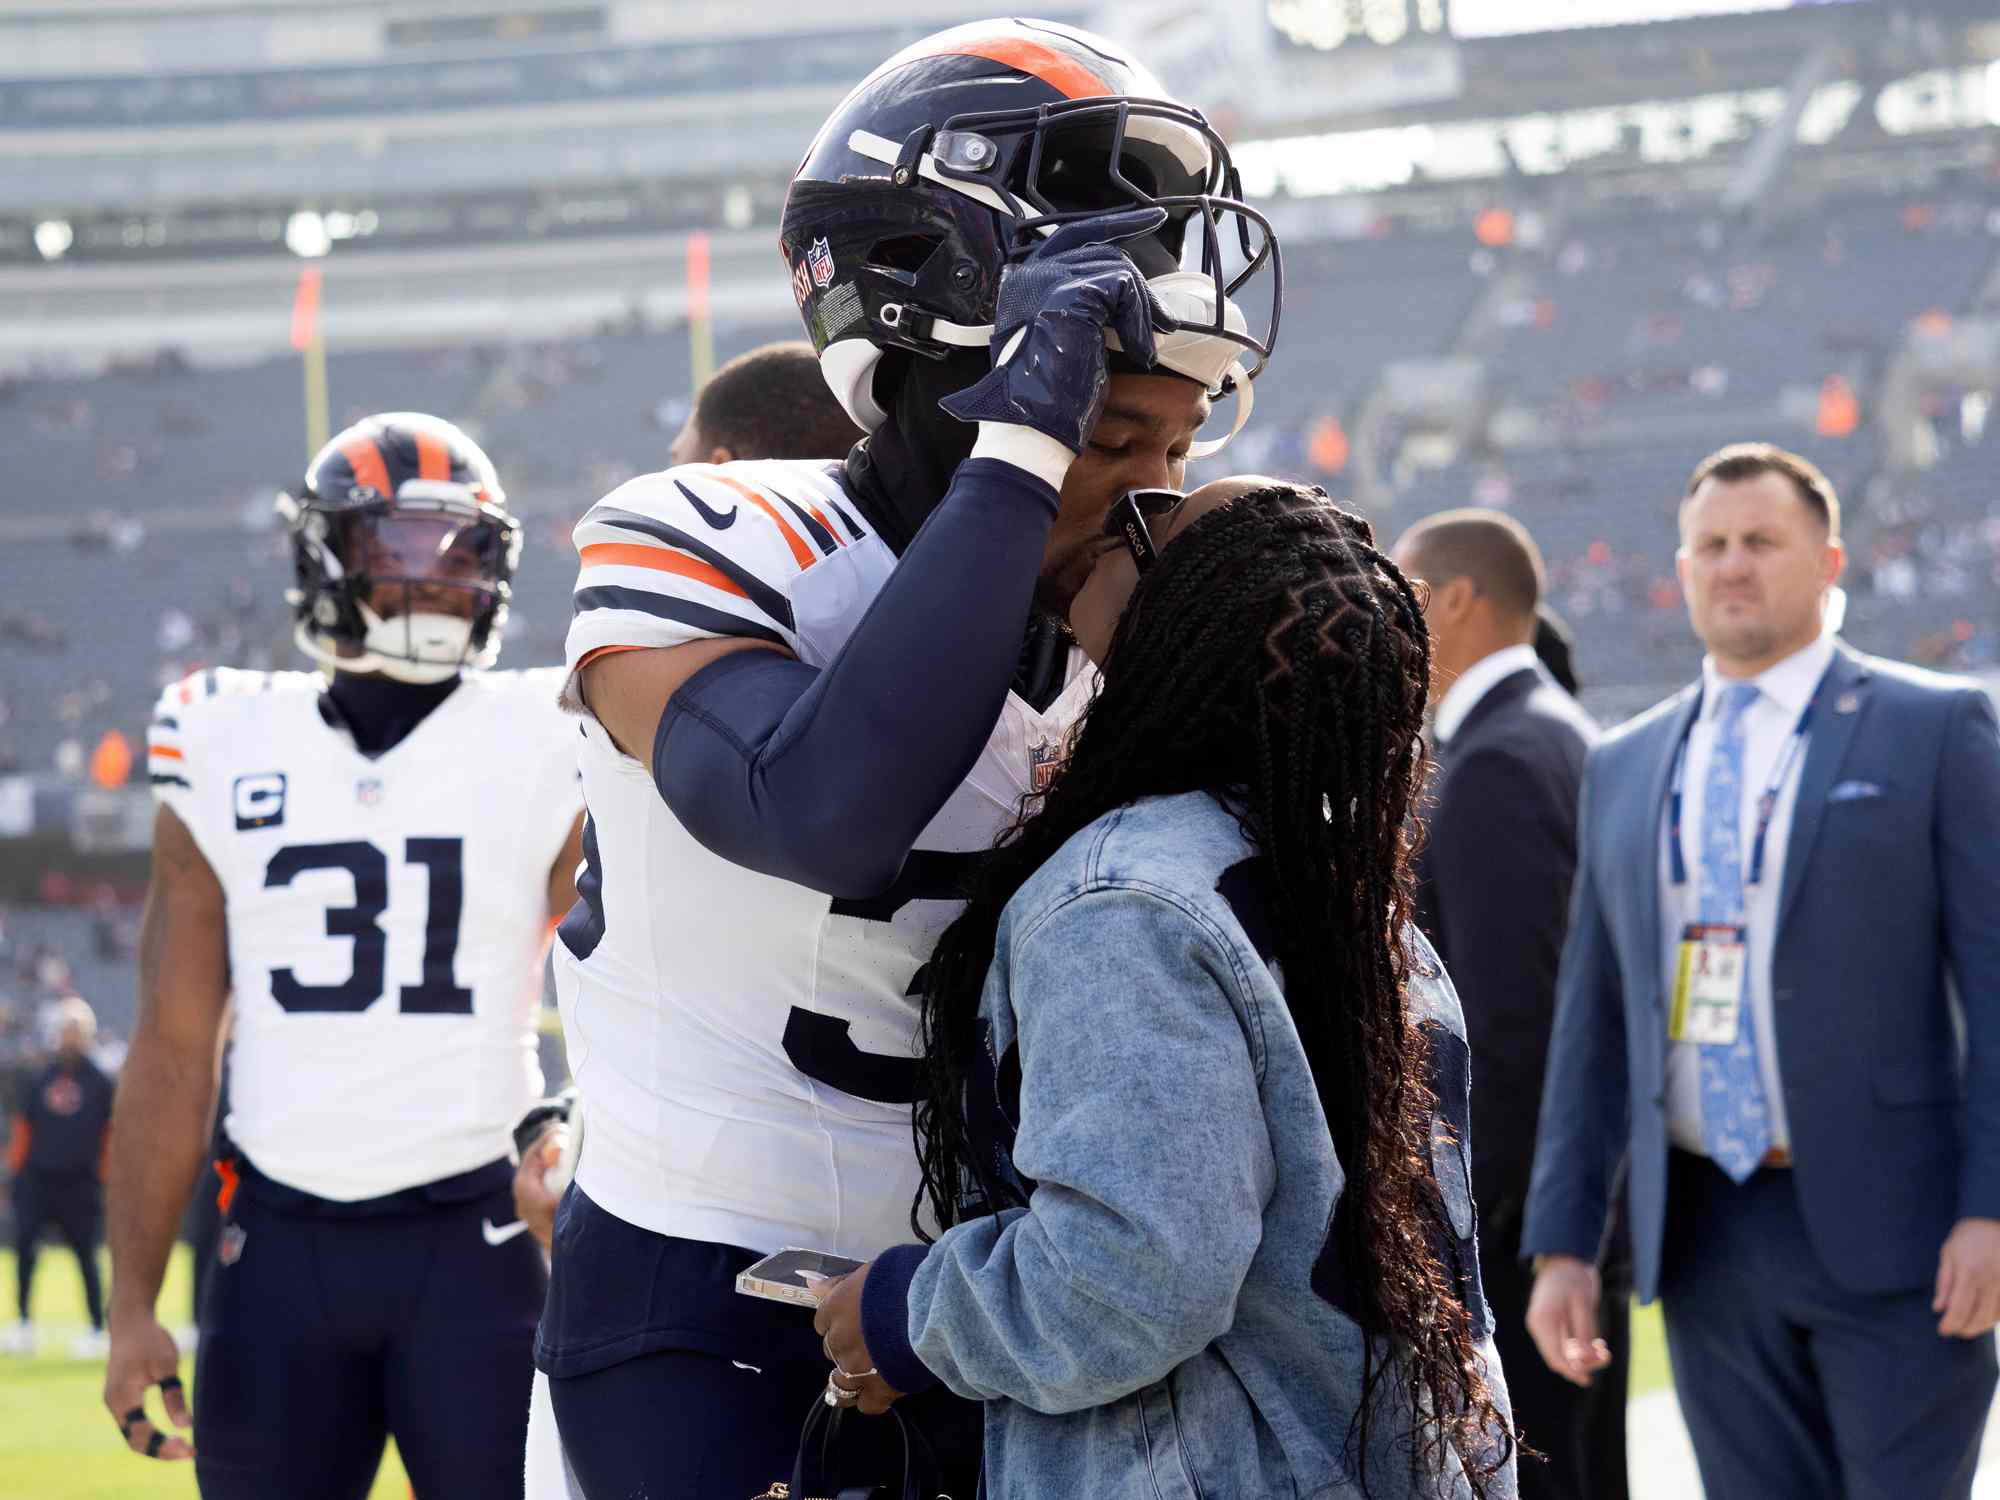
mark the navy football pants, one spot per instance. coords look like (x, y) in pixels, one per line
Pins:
(326, 1334)
(700, 1427)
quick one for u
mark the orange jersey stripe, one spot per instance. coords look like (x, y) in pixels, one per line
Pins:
(433, 459)
(802, 554)
(591, 656)
(1064, 74)
(369, 469)
(831, 529)
(661, 560)
(166, 752)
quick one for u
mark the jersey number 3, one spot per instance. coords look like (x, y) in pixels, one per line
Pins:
(438, 994)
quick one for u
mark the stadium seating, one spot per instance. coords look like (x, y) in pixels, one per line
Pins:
(1616, 342)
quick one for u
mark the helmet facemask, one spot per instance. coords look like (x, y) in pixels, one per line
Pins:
(1043, 166)
(415, 588)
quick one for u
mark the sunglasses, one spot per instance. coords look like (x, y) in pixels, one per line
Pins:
(1132, 517)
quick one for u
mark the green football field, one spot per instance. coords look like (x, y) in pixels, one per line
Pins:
(58, 1443)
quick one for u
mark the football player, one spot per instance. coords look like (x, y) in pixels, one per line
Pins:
(361, 865)
(812, 693)
(768, 402)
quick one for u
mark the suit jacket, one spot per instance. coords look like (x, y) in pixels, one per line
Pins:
(1493, 896)
(1891, 892)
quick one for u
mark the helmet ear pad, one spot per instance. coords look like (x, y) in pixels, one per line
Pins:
(894, 259)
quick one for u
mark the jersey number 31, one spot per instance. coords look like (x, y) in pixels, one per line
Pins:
(438, 993)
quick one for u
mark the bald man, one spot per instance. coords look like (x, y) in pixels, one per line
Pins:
(1493, 896)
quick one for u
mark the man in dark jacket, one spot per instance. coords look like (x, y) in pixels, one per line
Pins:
(56, 1155)
(1493, 896)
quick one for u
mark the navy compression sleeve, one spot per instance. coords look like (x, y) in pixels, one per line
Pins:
(826, 777)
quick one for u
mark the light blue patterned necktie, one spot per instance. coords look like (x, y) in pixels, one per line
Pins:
(1735, 1125)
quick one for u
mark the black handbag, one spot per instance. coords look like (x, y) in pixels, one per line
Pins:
(815, 1469)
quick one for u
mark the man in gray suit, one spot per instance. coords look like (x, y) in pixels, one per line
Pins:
(1781, 995)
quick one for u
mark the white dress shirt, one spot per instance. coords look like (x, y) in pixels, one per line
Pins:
(1474, 683)
(1783, 692)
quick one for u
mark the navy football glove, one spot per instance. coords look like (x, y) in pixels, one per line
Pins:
(1048, 329)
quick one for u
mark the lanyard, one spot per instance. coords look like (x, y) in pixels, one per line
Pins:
(1767, 804)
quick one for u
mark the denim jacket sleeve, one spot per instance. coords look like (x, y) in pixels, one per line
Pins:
(1142, 1124)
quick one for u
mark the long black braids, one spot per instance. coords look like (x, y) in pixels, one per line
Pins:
(1276, 658)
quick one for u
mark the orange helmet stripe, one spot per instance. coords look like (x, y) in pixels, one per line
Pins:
(433, 458)
(1065, 75)
(365, 456)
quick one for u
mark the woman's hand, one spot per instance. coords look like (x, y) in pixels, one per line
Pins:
(838, 1323)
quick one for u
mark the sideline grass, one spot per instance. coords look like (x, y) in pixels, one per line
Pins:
(56, 1440)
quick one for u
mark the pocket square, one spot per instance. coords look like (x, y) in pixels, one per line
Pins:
(1853, 791)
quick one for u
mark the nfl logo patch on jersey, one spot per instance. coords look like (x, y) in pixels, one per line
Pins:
(229, 1245)
(368, 790)
(819, 255)
(1043, 759)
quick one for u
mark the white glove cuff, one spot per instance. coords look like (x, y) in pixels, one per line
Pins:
(1025, 448)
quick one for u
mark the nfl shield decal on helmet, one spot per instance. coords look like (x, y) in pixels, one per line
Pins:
(819, 255)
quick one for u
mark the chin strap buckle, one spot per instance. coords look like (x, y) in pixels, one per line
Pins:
(913, 323)
(910, 158)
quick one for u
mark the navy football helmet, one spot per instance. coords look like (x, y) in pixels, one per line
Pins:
(944, 163)
(403, 551)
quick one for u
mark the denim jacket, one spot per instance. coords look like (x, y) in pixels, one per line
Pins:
(1159, 1321)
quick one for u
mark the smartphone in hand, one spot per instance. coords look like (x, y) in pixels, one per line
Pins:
(794, 1275)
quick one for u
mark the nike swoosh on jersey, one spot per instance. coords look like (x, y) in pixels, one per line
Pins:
(721, 520)
(499, 1234)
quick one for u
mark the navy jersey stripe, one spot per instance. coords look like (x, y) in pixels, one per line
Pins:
(761, 594)
(163, 721)
(160, 780)
(681, 611)
(582, 928)
(825, 540)
(847, 520)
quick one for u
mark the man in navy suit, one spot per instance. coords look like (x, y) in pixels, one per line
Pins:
(1493, 885)
(1781, 996)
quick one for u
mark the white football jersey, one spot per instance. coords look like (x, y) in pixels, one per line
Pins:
(747, 1045)
(387, 916)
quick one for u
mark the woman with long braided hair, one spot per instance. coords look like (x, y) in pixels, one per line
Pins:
(1195, 1112)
